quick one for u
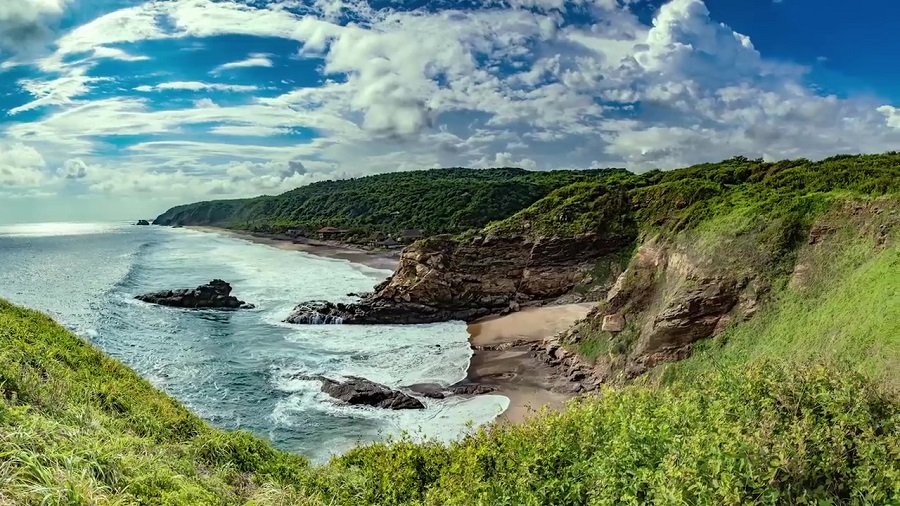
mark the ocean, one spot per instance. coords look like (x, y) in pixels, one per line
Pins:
(238, 369)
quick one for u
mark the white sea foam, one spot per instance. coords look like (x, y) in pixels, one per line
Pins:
(237, 369)
(57, 229)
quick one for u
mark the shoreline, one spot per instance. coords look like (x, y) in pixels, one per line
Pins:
(503, 357)
(376, 259)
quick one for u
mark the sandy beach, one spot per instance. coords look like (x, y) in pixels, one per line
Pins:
(377, 259)
(503, 357)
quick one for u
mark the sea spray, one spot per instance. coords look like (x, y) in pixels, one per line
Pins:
(232, 368)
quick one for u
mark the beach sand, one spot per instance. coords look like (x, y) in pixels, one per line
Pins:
(387, 260)
(526, 381)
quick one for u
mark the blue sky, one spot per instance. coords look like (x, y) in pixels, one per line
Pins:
(121, 108)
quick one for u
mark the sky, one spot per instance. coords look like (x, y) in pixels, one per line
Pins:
(119, 109)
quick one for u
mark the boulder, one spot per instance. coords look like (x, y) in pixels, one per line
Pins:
(471, 389)
(613, 323)
(214, 295)
(360, 391)
(143, 223)
(430, 390)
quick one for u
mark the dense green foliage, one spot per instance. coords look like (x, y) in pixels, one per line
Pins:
(436, 201)
(760, 435)
(787, 194)
(79, 428)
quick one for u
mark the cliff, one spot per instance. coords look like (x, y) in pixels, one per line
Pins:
(673, 258)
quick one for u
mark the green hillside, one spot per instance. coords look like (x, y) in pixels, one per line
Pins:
(796, 404)
(436, 201)
(79, 428)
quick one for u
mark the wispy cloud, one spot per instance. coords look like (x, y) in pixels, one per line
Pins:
(254, 60)
(197, 86)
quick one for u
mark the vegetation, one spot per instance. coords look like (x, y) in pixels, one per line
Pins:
(436, 201)
(79, 428)
(797, 405)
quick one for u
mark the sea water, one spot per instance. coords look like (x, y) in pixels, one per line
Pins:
(240, 369)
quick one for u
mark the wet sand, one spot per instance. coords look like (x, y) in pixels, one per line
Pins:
(382, 259)
(503, 357)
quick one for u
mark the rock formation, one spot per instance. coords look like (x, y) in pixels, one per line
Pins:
(143, 223)
(214, 295)
(360, 391)
(443, 279)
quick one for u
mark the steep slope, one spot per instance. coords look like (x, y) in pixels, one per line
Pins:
(723, 233)
(436, 201)
(79, 428)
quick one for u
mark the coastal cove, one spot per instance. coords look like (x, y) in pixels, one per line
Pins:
(502, 357)
(241, 370)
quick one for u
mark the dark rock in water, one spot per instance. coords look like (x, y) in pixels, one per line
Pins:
(214, 295)
(430, 390)
(318, 312)
(435, 391)
(374, 311)
(360, 391)
(471, 389)
(143, 223)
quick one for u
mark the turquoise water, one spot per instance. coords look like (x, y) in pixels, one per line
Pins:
(236, 369)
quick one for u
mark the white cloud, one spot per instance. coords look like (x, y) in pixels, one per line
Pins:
(197, 86)
(507, 84)
(891, 114)
(117, 54)
(24, 22)
(20, 166)
(505, 159)
(254, 60)
(73, 169)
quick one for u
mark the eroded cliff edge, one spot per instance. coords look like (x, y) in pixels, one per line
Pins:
(496, 270)
(672, 258)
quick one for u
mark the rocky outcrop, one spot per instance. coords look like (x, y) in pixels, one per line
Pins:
(435, 391)
(443, 278)
(360, 391)
(669, 297)
(143, 223)
(214, 295)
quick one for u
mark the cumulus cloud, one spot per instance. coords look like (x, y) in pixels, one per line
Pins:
(73, 169)
(20, 166)
(505, 159)
(24, 23)
(501, 83)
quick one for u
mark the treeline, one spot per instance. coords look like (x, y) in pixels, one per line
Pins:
(435, 201)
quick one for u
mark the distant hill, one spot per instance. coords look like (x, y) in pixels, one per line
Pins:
(435, 201)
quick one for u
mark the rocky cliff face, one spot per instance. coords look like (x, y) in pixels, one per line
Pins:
(444, 278)
(675, 292)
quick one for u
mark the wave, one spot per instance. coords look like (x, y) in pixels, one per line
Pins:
(54, 229)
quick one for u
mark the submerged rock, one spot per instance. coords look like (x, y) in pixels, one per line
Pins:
(360, 391)
(214, 295)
